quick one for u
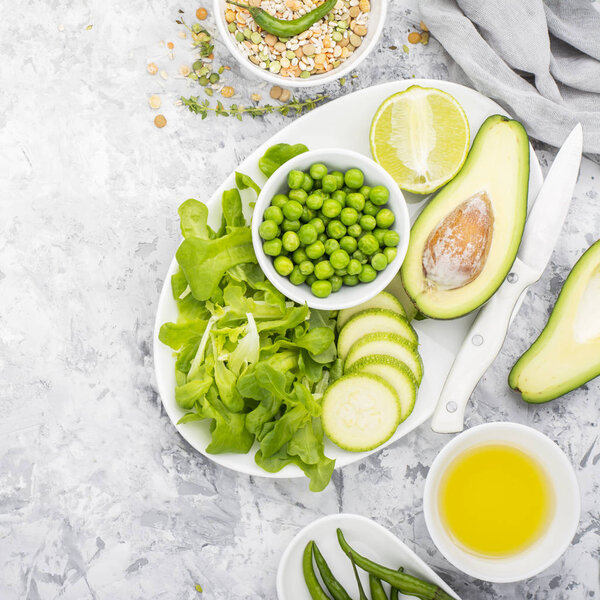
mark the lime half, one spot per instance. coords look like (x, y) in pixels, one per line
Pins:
(421, 138)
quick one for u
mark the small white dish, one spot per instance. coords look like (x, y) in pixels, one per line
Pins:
(366, 537)
(559, 533)
(342, 160)
(376, 21)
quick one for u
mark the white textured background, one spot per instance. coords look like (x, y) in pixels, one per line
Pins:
(99, 496)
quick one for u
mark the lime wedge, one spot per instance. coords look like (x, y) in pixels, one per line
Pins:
(421, 138)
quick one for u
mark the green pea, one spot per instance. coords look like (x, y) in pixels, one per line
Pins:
(318, 224)
(354, 178)
(336, 230)
(379, 195)
(273, 213)
(298, 195)
(306, 267)
(331, 208)
(341, 272)
(339, 259)
(355, 200)
(351, 280)
(367, 274)
(348, 216)
(311, 279)
(299, 256)
(390, 254)
(354, 230)
(349, 244)
(367, 244)
(272, 247)
(307, 215)
(232, 28)
(314, 201)
(315, 250)
(307, 234)
(331, 246)
(379, 235)
(339, 196)
(283, 265)
(268, 230)
(318, 171)
(365, 190)
(290, 240)
(296, 277)
(295, 179)
(348, 190)
(321, 289)
(360, 257)
(322, 237)
(323, 270)
(378, 261)
(385, 218)
(289, 225)
(354, 267)
(279, 200)
(292, 210)
(367, 222)
(336, 283)
(339, 179)
(391, 238)
(370, 209)
(329, 183)
(308, 183)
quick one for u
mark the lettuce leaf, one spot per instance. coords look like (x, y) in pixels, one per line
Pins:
(277, 155)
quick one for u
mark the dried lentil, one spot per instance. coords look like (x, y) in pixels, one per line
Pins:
(160, 121)
(414, 37)
(201, 14)
(152, 68)
(154, 101)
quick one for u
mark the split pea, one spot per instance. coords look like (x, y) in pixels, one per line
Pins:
(154, 101)
(160, 121)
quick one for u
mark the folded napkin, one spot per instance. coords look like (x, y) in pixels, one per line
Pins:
(539, 59)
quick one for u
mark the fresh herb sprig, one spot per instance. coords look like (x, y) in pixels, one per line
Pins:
(294, 107)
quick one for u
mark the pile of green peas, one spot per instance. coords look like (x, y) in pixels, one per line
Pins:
(329, 230)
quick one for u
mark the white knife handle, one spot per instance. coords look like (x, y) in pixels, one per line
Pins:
(479, 349)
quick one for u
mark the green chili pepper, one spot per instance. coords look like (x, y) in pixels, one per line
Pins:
(361, 591)
(407, 584)
(331, 583)
(312, 583)
(282, 27)
(377, 591)
(395, 591)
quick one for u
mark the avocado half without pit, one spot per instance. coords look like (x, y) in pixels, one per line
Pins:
(465, 241)
(567, 352)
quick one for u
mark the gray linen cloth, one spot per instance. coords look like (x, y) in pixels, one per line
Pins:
(539, 59)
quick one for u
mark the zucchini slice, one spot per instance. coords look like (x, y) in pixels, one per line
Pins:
(382, 300)
(371, 321)
(360, 412)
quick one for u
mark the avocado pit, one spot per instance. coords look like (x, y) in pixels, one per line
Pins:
(457, 249)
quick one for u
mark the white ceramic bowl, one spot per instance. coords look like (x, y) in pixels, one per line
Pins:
(365, 536)
(342, 160)
(375, 27)
(559, 532)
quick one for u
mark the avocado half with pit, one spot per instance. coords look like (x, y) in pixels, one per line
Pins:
(465, 241)
(567, 352)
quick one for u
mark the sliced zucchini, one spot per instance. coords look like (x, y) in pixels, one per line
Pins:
(371, 321)
(360, 412)
(382, 300)
(396, 373)
(390, 344)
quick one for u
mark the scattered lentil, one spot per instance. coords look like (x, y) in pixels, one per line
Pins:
(285, 95)
(160, 121)
(184, 70)
(227, 91)
(256, 97)
(201, 14)
(154, 101)
(170, 45)
(152, 68)
(414, 37)
(275, 92)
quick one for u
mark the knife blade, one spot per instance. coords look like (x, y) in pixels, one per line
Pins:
(486, 336)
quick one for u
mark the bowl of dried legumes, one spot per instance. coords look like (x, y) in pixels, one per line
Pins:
(300, 43)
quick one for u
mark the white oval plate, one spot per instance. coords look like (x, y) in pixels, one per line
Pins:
(366, 537)
(343, 123)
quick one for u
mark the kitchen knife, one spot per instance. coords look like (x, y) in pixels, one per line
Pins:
(486, 336)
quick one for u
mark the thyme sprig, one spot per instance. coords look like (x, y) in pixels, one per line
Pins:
(293, 107)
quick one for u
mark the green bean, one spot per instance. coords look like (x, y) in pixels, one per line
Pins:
(407, 584)
(395, 591)
(331, 583)
(361, 590)
(377, 591)
(310, 578)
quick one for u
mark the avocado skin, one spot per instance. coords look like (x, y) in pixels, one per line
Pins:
(487, 289)
(563, 305)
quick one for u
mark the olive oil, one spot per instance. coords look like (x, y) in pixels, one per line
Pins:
(495, 500)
